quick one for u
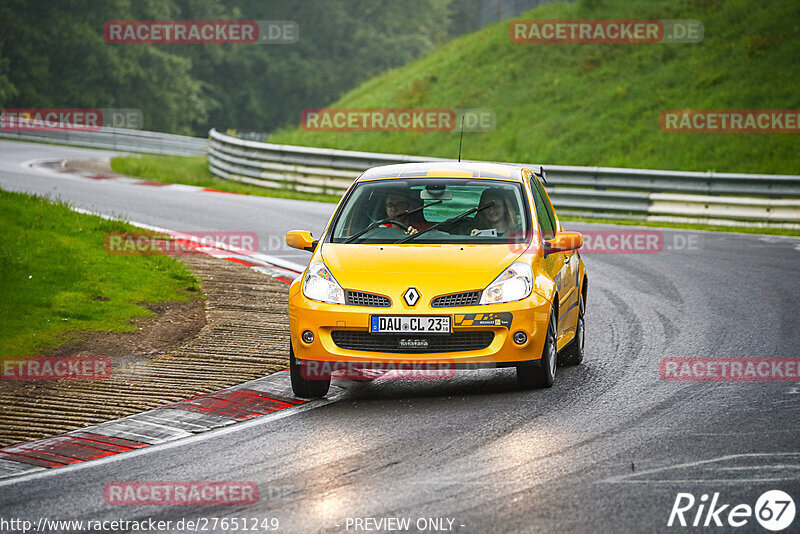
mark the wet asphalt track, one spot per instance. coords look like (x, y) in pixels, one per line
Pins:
(605, 450)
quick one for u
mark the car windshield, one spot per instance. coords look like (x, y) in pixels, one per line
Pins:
(442, 210)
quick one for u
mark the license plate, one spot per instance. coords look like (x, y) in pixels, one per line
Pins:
(437, 324)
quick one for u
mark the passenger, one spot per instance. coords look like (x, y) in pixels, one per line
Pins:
(501, 217)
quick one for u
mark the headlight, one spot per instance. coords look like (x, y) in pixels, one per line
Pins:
(515, 283)
(319, 284)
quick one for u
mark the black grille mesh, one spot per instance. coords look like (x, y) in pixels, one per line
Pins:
(359, 298)
(469, 298)
(455, 342)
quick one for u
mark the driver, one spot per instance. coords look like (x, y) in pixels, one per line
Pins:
(396, 206)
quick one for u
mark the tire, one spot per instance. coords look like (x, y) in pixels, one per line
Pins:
(531, 376)
(304, 387)
(572, 354)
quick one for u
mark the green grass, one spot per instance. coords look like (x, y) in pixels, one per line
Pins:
(193, 170)
(599, 104)
(56, 279)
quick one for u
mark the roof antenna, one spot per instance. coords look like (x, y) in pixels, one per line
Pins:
(541, 173)
(462, 137)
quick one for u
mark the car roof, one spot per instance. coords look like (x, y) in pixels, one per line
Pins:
(445, 169)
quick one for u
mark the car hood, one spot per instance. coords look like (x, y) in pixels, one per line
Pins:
(432, 269)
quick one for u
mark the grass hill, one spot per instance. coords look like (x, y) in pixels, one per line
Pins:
(600, 104)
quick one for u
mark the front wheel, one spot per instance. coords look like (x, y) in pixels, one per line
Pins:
(304, 386)
(530, 376)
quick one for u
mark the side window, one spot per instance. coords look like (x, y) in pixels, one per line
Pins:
(547, 221)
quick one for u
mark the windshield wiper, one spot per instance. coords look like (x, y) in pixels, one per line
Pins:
(370, 226)
(452, 220)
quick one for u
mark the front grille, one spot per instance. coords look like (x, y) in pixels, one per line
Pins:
(455, 342)
(469, 298)
(359, 298)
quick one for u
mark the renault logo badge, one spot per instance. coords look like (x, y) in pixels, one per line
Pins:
(411, 296)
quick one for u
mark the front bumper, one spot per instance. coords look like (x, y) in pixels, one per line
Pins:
(529, 315)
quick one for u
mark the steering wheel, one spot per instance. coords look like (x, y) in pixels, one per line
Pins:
(393, 221)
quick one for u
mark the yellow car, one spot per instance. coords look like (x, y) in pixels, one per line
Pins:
(458, 265)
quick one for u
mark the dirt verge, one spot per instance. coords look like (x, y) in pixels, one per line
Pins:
(89, 165)
(177, 355)
(174, 324)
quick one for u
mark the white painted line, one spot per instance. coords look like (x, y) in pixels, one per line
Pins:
(336, 393)
(185, 187)
(134, 426)
(629, 477)
(707, 481)
(758, 467)
(11, 468)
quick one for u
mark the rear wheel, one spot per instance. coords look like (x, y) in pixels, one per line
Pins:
(303, 386)
(530, 376)
(573, 353)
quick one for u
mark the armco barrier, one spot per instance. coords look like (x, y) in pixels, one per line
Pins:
(122, 139)
(704, 197)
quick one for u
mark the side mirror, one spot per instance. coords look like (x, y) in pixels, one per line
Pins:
(564, 242)
(301, 239)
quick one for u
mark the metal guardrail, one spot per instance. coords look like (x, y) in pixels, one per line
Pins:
(122, 139)
(706, 197)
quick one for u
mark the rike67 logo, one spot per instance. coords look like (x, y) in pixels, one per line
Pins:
(774, 511)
